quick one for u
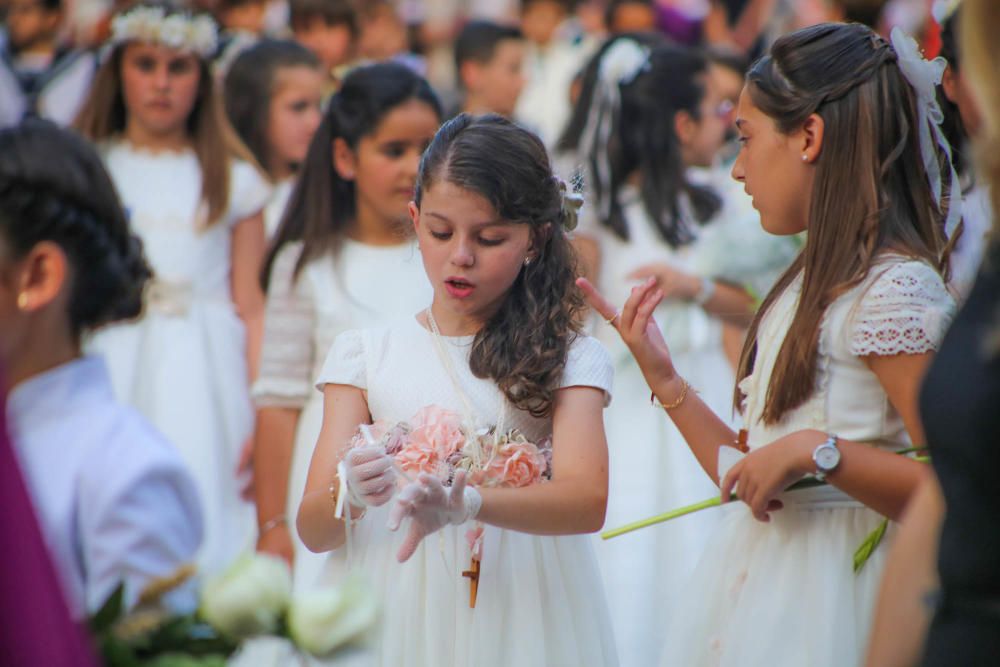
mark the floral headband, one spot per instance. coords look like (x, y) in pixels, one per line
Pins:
(184, 32)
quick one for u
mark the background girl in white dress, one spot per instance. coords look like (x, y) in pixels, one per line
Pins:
(342, 259)
(651, 113)
(186, 364)
(272, 93)
(831, 366)
(113, 499)
(500, 343)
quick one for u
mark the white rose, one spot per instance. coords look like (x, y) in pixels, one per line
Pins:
(249, 598)
(324, 620)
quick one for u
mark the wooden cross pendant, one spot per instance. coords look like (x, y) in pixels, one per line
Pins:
(473, 574)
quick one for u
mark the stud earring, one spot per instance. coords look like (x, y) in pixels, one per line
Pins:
(22, 300)
(805, 158)
(527, 261)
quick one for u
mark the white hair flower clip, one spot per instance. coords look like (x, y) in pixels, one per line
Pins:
(184, 32)
(572, 202)
(924, 76)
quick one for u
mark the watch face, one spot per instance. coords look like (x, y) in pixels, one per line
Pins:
(827, 458)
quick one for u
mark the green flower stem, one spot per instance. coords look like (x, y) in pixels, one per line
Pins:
(714, 501)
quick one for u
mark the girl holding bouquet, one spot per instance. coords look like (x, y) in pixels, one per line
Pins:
(832, 362)
(487, 425)
(195, 200)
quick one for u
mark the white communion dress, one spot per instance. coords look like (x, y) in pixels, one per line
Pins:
(540, 601)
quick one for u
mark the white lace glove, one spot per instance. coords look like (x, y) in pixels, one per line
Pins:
(371, 479)
(432, 506)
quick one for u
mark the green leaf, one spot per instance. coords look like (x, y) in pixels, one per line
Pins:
(867, 548)
(109, 612)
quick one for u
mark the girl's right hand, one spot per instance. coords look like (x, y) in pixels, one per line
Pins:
(371, 478)
(637, 328)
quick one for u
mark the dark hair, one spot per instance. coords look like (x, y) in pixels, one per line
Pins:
(643, 139)
(71, 202)
(952, 125)
(249, 86)
(524, 345)
(332, 12)
(478, 40)
(871, 191)
(868, 12)
(728, 59)
(322, 207)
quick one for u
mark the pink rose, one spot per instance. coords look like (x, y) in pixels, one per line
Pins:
(417, 459)
(523, 464)
(438, 430)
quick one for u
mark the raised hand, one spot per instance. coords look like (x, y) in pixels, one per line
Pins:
(431, 506)
(636, 326)
(371, 478)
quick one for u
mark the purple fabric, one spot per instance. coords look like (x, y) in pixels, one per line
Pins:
(678, 27)
(35, 624)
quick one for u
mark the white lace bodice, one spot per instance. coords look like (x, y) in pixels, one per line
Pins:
(400, 368)
(362, 286)
(902, 307)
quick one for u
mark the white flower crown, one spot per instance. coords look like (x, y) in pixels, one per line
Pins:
(184, 32)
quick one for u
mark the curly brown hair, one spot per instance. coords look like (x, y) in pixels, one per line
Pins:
(524, 345)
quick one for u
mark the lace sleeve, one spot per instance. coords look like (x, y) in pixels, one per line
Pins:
(287, 356)
(906, 310)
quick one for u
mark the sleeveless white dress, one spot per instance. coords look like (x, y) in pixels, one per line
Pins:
(540, 600)
(785, 593)
(182, 364)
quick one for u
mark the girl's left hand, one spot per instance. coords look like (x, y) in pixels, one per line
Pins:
(764, 473)
(431, 506)
(675, 284)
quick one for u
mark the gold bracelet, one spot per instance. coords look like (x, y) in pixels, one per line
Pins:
(676, 403)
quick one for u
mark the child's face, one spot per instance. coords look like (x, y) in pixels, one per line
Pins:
(540, 19)
(633, 17)
(331, 43)
(29, 23)
(471, 255)
(294, 115)
(159, 86)
(772, 171)
(497, 84)
(384, 165)
(705, 136)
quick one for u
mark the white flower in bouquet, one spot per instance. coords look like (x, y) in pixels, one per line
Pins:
(249, 598)
(327, 619)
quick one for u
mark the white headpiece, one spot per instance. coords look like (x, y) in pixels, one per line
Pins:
(621, 64)
(184, 32)
(924, 76)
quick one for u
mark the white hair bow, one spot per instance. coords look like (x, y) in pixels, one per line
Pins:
(621, 64)
(924, 76)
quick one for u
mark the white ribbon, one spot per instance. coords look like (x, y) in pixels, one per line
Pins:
(924, 76)
(624, 61)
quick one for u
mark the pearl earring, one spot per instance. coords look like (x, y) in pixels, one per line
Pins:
(805, 158)
(22, 300)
